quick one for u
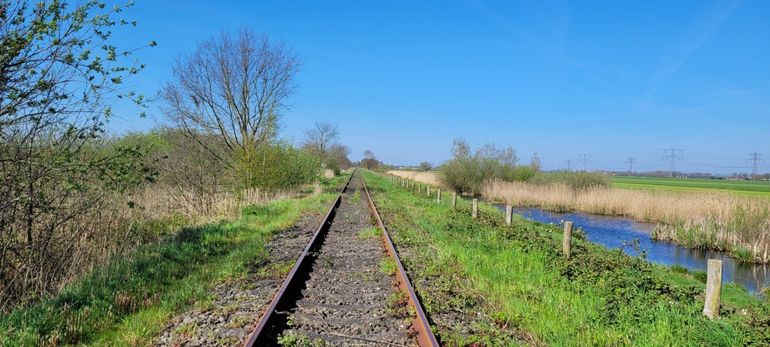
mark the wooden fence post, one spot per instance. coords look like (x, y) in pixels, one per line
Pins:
(566, 242)
(713, 289)
(508, 214)
(438, 195)
(427, 187)
(454, 199)
(475, 210)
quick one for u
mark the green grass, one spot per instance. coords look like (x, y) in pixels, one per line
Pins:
(751, 188)
(128, 301)
(369, 233)
(598, 297)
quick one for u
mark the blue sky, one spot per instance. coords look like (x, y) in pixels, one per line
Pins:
(612, 79)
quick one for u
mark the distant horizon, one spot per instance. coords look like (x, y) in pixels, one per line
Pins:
(561, 79)
(630, 173)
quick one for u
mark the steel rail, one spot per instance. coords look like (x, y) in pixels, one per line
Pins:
(420, 323)
(259, 335)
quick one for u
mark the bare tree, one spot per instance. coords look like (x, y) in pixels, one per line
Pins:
(320, 137)
(339, 154)
(535, 162)
(321, 141)
(233, 87)
(460, 148)
(370, 161)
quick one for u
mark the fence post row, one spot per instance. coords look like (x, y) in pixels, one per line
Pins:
(713, 289)
(438, 195)
(566, 242)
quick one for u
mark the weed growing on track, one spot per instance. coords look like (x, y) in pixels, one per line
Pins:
(598, 297)
(293, 339)
(388, 266)
(128, 301)
(369, 233)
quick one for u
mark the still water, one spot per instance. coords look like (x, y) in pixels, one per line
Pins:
(618, 232)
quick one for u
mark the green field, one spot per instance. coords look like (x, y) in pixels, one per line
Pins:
(754, 188)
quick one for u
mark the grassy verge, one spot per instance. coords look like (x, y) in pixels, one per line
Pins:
(128, 301)
(598, 297)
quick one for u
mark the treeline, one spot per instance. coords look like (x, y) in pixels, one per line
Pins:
(468, 172)
(71, 197)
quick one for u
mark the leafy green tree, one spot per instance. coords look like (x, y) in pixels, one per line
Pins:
(59, 77)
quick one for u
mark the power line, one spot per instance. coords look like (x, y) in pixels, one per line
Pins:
(755, 158)
(673, 157)
(630, 161)
(584, 159)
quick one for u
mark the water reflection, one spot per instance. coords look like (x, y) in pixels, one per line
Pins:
(623, 233)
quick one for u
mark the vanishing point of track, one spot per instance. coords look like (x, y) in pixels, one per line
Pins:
(336, 290)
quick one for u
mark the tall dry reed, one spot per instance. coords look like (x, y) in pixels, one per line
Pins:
(714, 220)
(162, 202)
(113, 228)
(427, 177)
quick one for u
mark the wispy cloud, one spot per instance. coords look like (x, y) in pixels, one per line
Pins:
(537, 44)
(735, 92)
(482, 7)
(703, 31)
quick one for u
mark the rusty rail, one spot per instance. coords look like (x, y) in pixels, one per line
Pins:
(292, 283)
(420, 324)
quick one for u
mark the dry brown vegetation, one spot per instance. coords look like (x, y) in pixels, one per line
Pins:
(715, 220)
(427, 177)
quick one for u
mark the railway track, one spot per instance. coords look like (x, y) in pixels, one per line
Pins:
(348, 287)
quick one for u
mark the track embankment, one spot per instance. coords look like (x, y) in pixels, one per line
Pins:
(346, 289)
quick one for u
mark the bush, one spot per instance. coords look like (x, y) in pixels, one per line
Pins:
(469, 174)
(574, 180)
(277, 167)
(461, 175)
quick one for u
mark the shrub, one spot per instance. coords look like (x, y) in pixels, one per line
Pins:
(469, 174)
(277, 167)
(466, 173)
